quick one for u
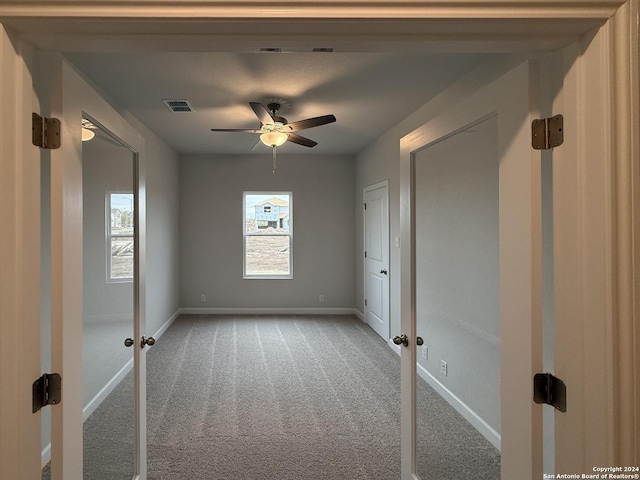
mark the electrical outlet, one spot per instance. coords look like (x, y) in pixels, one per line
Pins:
(425, 352)
(443, 368)
(320, 298)
(203, 298)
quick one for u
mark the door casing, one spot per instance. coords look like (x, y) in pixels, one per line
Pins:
(20, 262)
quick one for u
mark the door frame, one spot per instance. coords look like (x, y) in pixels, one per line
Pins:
(365, 190)
(59, 23)
(596, 232)
(20, 288)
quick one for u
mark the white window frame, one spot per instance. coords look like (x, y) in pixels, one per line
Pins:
(245, 234)
(109, 236)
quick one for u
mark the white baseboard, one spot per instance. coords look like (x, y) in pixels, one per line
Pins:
(104, 392)
(117, 378)
(358, 314)
(167, 324)
(462, 408)
(394, 347)
(94, 403)
(268, 311)
(45, 455)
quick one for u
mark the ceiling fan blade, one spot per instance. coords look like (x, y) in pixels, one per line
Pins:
(301, 140)
(243, 130)
(257, 144)
(310, 122)
(262, 113)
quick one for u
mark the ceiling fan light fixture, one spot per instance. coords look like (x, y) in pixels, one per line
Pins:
(273, 139)
(87, 134)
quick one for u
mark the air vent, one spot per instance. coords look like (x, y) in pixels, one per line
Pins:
(178, 105)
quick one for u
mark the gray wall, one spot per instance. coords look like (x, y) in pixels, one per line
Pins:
(380, 161)
(211, 225)
(163, 234)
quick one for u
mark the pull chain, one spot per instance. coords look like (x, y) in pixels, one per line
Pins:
(274, 166)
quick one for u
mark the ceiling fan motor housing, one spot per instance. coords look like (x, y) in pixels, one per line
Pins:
(273, 110)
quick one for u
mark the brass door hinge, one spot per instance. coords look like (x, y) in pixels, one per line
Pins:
(547, 133)
(45, 132)
(46, 390)
(550, 390)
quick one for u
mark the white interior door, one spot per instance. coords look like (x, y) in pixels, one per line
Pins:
(507, 101)
(73, 99)
(376, 232)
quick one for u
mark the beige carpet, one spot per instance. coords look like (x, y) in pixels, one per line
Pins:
(279, 397)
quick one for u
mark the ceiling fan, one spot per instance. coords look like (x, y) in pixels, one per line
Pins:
(275, 130)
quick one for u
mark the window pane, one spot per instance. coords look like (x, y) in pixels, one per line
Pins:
(267, 214)
(121, 205)
(121, 257)
(267, 255)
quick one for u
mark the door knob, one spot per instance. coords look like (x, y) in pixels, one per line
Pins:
(419, 341)
(147, 341)
(384, 272)
(401, 340)
(128, 342)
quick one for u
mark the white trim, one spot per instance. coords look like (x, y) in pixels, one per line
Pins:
(104, 392)
(189, 10)
(117, 378)
(109, 236)
(358, 314)
(45, 456)
(20, 260)
(459, 406)
(625, 41)
(269, 311)
(462, 408)
(167, 324)
(245, 235)
(375, 186)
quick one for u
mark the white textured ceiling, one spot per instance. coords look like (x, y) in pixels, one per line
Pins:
(368, 92)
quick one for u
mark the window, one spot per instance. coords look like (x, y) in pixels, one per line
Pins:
(120, 241)
(268, 234)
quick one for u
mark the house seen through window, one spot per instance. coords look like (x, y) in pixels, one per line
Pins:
(268, 234)
(120, 241)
